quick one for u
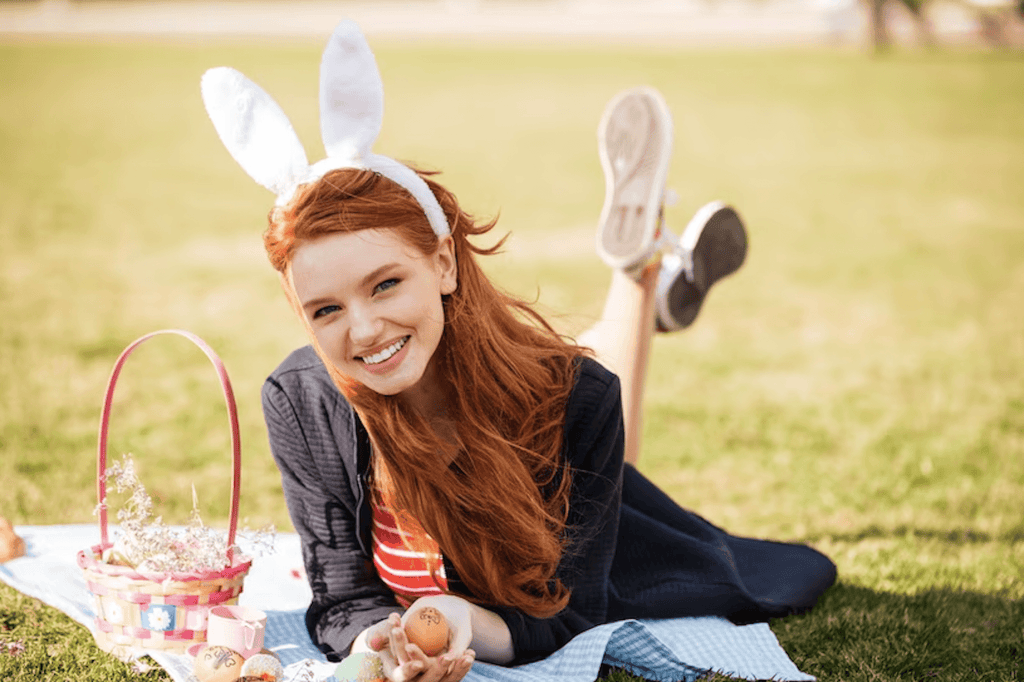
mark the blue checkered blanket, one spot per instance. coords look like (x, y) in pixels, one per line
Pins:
(660, 650)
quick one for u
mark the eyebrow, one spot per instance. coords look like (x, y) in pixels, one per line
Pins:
(366, 281)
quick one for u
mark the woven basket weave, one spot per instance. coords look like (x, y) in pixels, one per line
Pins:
(163, 611)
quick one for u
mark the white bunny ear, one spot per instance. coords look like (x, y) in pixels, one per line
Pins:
(261, 139)
(255, 130)
(351, 96)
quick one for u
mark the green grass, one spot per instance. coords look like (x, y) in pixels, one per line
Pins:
(857, 385)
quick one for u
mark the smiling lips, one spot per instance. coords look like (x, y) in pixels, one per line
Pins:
(386, 354)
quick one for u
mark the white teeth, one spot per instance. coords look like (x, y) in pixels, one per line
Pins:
(380, 357)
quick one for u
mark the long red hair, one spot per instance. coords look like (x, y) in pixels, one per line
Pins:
(498, 509)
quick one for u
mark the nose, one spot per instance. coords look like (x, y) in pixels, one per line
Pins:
(364, 326)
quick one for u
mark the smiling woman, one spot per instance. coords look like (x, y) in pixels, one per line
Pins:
(431, 355)
(440, 445)
(369, 278)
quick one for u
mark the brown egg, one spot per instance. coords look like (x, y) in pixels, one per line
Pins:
(428, 629)
(218, 664)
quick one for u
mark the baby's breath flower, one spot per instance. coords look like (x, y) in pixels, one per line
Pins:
(148, 544)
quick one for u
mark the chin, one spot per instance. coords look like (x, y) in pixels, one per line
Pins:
(383, 390)
(390, 386)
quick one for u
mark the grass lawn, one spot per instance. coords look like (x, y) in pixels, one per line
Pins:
(857, 385)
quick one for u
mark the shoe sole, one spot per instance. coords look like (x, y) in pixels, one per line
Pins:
(635, 145)
(717, 239)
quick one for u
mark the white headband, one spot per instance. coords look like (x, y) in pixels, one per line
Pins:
(261, 139)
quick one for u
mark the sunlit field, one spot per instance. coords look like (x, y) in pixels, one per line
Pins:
(857, 385)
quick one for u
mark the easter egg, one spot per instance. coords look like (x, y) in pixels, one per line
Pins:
(263, 667)
(218, 664)
(360, 667)
(428, 629)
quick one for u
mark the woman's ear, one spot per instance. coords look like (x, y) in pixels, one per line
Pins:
(447, 266)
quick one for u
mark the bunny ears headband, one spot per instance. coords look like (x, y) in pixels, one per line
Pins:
(261, 139)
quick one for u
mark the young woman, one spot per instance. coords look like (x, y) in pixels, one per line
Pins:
(441, 445)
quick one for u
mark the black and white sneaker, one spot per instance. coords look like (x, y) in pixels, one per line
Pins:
(713, 246)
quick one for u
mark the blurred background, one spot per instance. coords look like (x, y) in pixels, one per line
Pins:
(876, 23)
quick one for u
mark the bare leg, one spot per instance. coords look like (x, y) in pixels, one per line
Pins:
(621, 340)
(635, 144)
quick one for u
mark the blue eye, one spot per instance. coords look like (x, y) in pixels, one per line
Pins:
(326, 310)
(385, 285)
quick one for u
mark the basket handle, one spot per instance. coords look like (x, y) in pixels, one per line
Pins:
(229, 396)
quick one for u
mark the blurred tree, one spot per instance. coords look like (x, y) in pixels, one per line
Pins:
(996, 20)
(881, 39)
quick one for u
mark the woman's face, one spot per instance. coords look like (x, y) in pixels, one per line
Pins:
(374, 304)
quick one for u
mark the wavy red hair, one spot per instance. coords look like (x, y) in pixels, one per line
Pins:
(497, 505)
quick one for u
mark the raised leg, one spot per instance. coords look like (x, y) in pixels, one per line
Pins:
(635, 147)
(621, 339)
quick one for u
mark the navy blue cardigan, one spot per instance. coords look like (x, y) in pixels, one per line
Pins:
(633, 552)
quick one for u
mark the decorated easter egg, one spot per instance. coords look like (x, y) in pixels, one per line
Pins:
(361, 667)
(218, 664)
(263, 667)
(428, 629)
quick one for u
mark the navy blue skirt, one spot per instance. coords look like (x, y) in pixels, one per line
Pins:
(670, 562)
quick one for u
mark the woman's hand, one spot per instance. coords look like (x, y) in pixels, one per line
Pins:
(406, 662)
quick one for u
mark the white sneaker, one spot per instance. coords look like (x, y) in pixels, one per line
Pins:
(713, 246)
(635, 145)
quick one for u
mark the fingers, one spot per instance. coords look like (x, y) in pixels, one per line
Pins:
(395, 658)
(458, 667)
(444, 668)
(417, 663)
(388, 662)
(399, 642)
(377, 639)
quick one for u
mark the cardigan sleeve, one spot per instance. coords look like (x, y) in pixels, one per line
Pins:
(348, 596)
(594, 444)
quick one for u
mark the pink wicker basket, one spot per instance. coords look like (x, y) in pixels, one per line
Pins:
(163, 611)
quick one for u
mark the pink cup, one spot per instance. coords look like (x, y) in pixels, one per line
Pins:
(239, 628)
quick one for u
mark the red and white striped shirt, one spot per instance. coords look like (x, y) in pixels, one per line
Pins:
(402, 568)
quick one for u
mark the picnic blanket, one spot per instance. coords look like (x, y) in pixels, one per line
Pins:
(660, 650)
